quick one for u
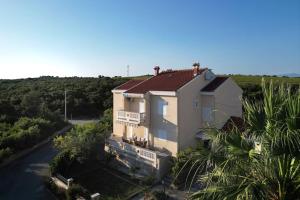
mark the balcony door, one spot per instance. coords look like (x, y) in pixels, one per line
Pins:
(142, 106)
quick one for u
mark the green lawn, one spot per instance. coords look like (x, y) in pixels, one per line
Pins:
(109, 183)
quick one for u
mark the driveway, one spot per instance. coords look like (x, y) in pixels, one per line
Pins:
(23, 179)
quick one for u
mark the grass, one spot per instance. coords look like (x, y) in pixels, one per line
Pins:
(110, 184)
(256, 80)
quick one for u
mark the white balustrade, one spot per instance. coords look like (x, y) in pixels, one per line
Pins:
(134, 150)
(130, 117)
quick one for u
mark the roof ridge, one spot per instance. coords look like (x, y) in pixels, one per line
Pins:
(182, 69)
(130, 80)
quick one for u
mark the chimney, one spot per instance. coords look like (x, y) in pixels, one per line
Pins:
(156, 70)
(196, 69)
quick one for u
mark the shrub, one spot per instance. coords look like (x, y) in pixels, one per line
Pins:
(85, 142)
(61, 163)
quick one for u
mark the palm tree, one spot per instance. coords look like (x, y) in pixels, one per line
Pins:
(261, 162)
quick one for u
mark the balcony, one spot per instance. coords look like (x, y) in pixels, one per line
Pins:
(130, 117)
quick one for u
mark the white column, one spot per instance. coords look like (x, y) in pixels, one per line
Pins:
(146, 134)
(130, 131)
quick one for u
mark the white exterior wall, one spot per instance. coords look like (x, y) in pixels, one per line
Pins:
(228, 102)
(167, 123)
(189, 115)
(118, 104)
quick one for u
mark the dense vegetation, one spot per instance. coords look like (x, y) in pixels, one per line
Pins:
(260, 162)
(27, 132)
(251, 84)
(86, 97)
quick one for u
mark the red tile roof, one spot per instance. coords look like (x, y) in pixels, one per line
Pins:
(128, 84)
(214, 84)
(164, 81)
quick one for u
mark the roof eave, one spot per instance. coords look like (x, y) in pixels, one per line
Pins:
(117, 90)
(133, 95)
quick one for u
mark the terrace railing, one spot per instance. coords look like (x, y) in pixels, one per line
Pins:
(130, 117)
(134, 150)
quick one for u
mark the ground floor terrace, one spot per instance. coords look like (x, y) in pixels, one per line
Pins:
(136, 154)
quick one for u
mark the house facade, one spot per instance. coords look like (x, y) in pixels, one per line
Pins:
(154, 119)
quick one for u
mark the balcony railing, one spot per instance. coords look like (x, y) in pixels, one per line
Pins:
(134, 150)
(130, 117)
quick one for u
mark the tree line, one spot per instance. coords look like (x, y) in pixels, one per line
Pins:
(86, 97)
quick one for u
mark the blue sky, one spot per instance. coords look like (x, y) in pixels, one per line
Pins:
(91, 38)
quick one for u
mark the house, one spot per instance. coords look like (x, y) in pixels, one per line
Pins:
(154, 119)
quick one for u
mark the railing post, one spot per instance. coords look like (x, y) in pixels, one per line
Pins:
(69, 182)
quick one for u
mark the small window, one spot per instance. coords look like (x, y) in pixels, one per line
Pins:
(196, 104)
(207, 114)
(162, 135)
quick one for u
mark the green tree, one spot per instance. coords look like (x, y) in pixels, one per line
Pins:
(84, 142)
(106, 120)
(31, 103)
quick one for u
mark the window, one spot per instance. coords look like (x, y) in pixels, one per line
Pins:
(196, 104)
(142, 106)
(162, 134)
(162, 107)
(165, 109)
(207, 114)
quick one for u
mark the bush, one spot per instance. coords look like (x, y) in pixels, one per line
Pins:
(25, 133)
(85, 142)
(5, 153)
(61, 163)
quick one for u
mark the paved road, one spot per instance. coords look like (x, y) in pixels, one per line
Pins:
(83, 121)
(23, 179)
